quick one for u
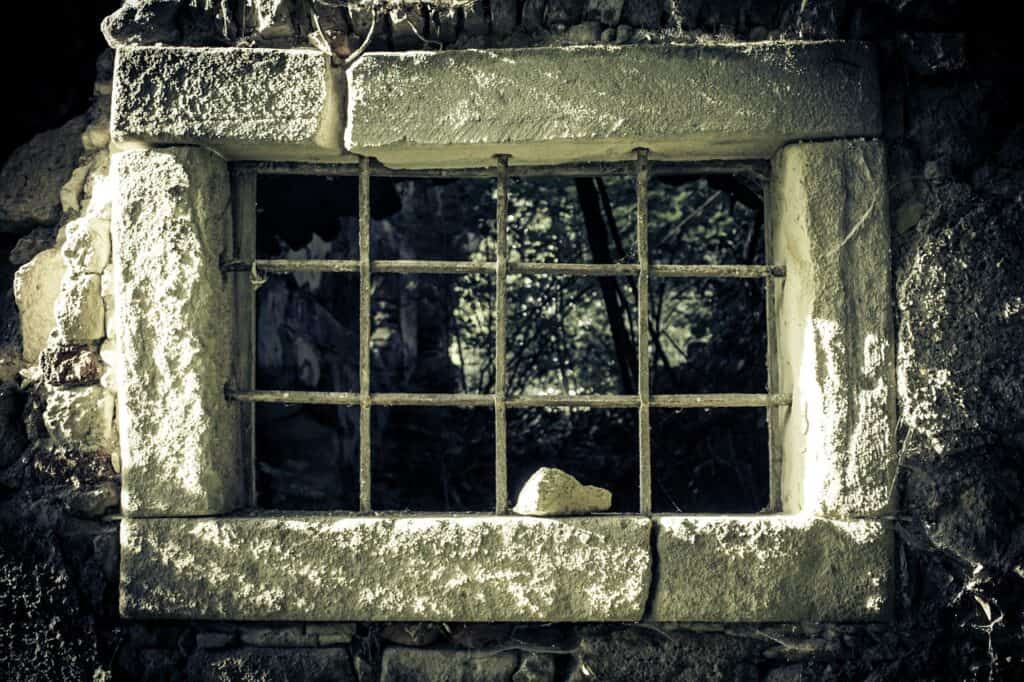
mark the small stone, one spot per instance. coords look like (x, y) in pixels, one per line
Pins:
(33, 175)
(74, 365)
(36, 287)
(584, 34)
(758, 33)
(87, 246)
(608, 35)
(623, 34)
(552, 492)
(79, 313)
(81, 417)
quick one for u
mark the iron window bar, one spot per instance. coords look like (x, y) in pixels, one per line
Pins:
(643, 401)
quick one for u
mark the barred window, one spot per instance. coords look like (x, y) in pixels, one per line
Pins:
(424, 340)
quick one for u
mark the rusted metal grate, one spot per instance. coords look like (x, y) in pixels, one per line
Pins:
(643, 270)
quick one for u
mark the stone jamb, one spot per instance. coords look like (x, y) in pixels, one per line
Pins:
(828, 212)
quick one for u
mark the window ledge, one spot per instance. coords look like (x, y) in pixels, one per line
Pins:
(341, 567)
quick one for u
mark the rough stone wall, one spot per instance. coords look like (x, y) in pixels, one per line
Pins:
(955, 130)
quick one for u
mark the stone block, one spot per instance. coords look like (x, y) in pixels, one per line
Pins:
(87, 245)
(350, 568)
(81, 417)
(245, 103)
(835, 327)
(36, 287)
(33, 175)
(771, 568)
(399, 664)
(78, 311)
(178, 432)
(548, 105)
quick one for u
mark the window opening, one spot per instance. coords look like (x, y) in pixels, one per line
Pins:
(668, 262)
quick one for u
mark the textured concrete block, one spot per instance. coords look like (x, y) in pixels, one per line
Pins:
(772, 568)
(178, 432)
(386, 568)
(246, 103)
(585, 103)
(828, 204)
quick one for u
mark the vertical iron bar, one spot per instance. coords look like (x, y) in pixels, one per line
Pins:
(643, 331)
(501, 315)
(772, 366)
(365, 287)
(244, 248)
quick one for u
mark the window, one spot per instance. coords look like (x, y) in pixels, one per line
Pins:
(191, 544)
(635, 266)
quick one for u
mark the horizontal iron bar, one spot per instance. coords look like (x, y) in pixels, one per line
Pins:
(447, 267)
(670, 401)
(625, 168)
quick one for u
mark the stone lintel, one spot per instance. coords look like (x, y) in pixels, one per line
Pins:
(246, 103)
(565, 104)
(179, 435)
(771, 568)
(830, 214)
(396, 568)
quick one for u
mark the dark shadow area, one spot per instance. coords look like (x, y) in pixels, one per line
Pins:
(566, 335)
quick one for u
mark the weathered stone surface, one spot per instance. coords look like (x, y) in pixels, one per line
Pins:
(244, 103)
(79, 311)
(36, 287)
(399, 664)
(386, 568)
(81, 417)
(178, 432)
(628, 654)
(74, 365)
(31, 180)
(333, 664)
(961, 303)
(87, 245)
(552, 492)
(771, 568)
(545, 105)
(835, 327)
(175, 22)
(503, 16)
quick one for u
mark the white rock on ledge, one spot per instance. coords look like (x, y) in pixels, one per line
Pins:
(552, 492)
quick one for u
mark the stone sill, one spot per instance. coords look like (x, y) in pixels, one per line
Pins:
(468, 568)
